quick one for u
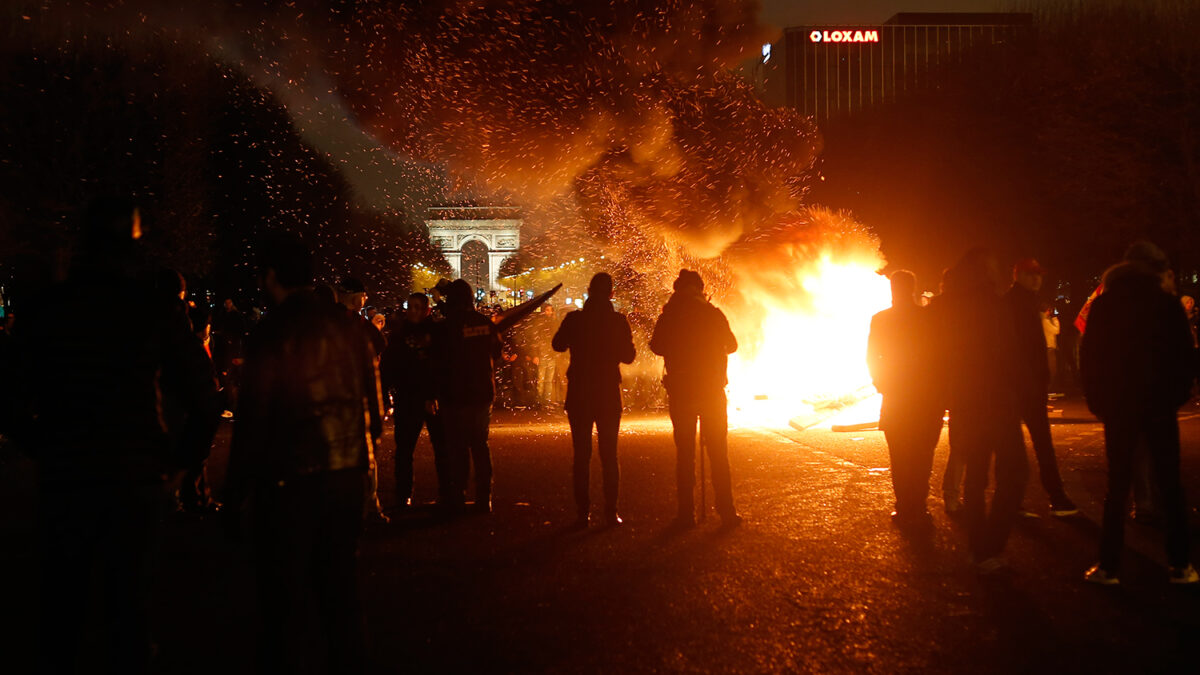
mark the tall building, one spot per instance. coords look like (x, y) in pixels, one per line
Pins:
(832, 71)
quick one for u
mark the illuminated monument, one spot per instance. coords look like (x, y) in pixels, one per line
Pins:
(834, 71)
(475, 240)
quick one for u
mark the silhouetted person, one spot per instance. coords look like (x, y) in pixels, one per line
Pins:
(89, 414)
(467, 349)
(1135, 360)
(352, 295)
(985, 381)
(229, 328)
(409, 373)
(1030, 337)
(694, 339)
(599, 340)
(901, 360)
(308, 425)
(192, 424)
(195, 494)
(956, 463)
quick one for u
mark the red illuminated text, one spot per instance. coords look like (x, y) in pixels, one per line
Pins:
(844, 36)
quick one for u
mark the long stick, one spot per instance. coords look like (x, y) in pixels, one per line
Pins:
(703, 501)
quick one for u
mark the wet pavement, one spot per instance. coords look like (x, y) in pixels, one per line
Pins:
(816, 580)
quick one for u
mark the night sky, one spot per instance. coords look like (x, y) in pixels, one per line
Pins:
(784, 13)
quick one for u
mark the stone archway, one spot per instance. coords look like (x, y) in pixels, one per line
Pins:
(496, 231)
(474, 266)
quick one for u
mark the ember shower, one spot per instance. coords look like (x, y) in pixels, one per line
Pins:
(618, 127)
(628, 112)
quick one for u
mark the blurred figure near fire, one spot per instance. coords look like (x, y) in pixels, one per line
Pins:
(87, 405)
(1136, 364)
(408, 373)
(956, 463)
(985, 383)
(310, 420)
(900, 354)
(1030, 343)
(551, 365)
(599, 340)
(695, 341)
(467, 350)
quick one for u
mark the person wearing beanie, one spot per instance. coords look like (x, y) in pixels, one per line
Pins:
(599, 339)
(695, 341)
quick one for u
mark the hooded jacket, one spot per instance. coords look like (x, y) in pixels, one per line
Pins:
(695, 341)
(1136, 356)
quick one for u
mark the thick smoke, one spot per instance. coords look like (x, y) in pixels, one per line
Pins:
(627, 102)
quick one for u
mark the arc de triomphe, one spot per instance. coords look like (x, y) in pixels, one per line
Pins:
(475, 240)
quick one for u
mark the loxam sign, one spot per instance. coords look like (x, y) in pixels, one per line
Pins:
(844, 36)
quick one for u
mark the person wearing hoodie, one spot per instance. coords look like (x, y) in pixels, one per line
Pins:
(985, 383)
(695, 341)
(599, 339)
(1137, 370)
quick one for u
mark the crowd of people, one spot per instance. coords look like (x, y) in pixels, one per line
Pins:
(1138, 365)
(120, 420)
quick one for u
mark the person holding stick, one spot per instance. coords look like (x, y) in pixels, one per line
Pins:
(695, 341)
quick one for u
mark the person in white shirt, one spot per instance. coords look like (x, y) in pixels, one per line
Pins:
(1050, 328)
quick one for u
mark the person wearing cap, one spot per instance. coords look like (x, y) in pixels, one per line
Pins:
(1137, 371)
(1022, 303)
(695, 341)
(466, 350)
(599, 340)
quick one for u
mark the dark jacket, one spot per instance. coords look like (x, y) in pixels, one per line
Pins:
(466, 349)
(694, 339)
(1136, 356)
(984, 372)
(310, 398)
(901, 357)
(89, 396)
(599, 339)
(407, 367)
(1030, 338)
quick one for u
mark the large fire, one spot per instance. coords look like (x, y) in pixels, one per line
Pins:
(804, 358)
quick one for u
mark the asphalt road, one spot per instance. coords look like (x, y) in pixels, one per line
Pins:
(817, 579)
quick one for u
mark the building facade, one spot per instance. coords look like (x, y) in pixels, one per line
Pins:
(475, 240)
(826, 72)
